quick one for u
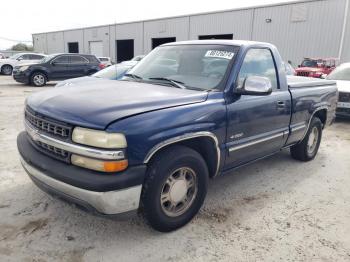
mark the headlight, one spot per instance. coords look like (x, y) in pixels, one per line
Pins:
(99, 165)
(100, 139)
(23, 68)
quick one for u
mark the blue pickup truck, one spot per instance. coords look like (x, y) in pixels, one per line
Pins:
(188, 112)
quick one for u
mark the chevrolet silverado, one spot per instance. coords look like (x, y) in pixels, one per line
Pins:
(188, 112)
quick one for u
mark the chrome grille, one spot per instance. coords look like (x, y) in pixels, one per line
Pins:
(57, 151)
(48, 126)
(344, 97)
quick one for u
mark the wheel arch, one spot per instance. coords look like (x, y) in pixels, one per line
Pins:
(321, 113)
(205, 143)
(39, 71)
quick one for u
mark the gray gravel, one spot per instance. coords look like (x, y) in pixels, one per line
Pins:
(277, 209)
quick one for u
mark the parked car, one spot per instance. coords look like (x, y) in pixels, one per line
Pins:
(114, 72)
(7, 65)
(316, 67)
(154, 139)
(56, 67)
(342, 75)
(105, 61)
(133, 61)
(290, 71)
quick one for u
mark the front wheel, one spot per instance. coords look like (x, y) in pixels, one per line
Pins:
(175, 188)
(307, 149)
(6, 70)
(38, 79)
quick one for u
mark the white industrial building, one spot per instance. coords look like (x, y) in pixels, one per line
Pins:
(299, 29)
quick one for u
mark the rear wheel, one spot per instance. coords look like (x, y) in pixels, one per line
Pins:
(307, 149)
(38, 79)
(175, 188)
(6, 70)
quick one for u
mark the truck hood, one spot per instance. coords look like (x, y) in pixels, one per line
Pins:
(343, 86)
(97, 104)
(77, 80)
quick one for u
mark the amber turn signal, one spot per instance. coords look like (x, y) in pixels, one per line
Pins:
(99, 165)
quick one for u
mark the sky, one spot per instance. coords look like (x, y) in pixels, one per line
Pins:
(19, 19)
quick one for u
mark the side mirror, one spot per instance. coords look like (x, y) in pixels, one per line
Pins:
(19, 59)
(255, 85)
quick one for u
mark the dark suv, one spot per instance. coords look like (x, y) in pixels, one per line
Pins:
(56, 67)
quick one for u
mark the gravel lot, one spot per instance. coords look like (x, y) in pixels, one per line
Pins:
(277, 209)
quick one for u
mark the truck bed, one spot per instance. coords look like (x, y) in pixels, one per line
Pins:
(299, 81)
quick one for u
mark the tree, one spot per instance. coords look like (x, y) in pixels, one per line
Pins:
(22, 47)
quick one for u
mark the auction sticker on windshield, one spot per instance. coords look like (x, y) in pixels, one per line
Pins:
(219, 54)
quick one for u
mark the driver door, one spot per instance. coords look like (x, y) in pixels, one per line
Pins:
(59, 67)
(257, 125)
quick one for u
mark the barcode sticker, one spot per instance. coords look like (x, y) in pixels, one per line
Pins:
(219, 54)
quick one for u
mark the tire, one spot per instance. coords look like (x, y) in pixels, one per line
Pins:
(181, 165)
(6, 70)
(307, 149)
(38, 79)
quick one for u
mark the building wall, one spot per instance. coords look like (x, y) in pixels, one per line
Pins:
(345, 54)
(74, 36)
(174, 27)
(308, 29)
(311, 28)
(130, 31)
(237, 23)
(55, 42)
(39, 43)
(96, 34)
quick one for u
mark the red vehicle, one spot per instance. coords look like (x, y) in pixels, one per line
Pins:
(316, 67)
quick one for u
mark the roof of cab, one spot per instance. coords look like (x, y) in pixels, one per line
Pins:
(218, 42)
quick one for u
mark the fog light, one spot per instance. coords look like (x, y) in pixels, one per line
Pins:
(99, 165)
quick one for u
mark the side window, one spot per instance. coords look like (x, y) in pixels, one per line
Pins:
(258, 62)
(25, 57)
(78, 60)
(36, 57)
(62, 60)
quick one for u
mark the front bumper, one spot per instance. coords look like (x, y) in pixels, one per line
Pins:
(20, 76)
(342, 112)
(105, 194)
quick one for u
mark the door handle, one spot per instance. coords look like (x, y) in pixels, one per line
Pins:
(281, 104)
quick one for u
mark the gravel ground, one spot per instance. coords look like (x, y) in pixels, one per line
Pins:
(277, 209)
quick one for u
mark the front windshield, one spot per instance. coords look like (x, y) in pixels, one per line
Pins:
(309, 63)
(113, 72)
(340, 73)
(15, 56)
(194, 66)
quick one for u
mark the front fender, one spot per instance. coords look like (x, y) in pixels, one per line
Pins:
(146, 132)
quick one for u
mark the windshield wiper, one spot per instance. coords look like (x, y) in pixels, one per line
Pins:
(133, 76)
(175, 83)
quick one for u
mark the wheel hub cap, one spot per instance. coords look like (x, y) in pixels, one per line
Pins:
(312, 141)
(178, 192)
